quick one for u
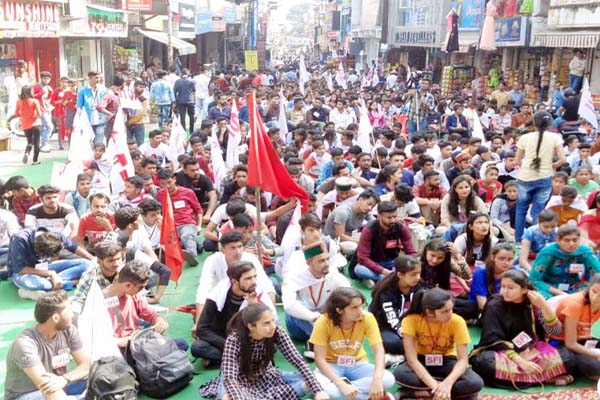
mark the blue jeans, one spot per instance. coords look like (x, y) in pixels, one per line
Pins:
(3, 255)
(164, 111)
(412, 126)
(535, 193)
(67, 270)
(575, 82)
(98, 133)
(360, 375)
(363, 272)
(294, 379)
(298, 329)
(75, 391)
(136, 132)
(47, 128)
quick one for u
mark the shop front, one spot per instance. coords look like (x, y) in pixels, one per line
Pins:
(90, 43)
(29, 31)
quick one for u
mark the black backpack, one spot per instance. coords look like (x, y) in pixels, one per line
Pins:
(111, 378)
(161, 368)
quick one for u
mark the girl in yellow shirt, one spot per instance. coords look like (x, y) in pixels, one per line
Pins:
(343, 368)
(435, 345)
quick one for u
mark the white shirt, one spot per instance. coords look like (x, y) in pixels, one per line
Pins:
(214, 270)
(342, 119)
(159, 152)
(201, 82)
(220, 214)
(8, 226)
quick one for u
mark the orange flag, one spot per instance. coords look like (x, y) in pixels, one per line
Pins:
(169, 238)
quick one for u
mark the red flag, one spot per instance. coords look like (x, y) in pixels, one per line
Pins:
(265, 169)
(168, 237)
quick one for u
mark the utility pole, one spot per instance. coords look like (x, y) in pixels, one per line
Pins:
(169, 35)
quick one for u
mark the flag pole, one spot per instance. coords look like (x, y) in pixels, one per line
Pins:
(258, 225)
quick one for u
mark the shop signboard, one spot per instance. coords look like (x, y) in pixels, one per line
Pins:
(40, 19)
(100, 22)
(203, 22)
(415, 37)
(230, 13)
(511, 31)
(471, 13)
(139, 5)
(251, 60)
(187, 13)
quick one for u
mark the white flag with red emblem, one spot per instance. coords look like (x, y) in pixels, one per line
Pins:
(118, 152)
(365, 129)
(586, 105)
(232, 158)
(340, 76)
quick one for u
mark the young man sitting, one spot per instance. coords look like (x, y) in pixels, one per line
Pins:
(51, 214)
(34, 266)
(79, 198)
(95, 225)
(37, 361)
(127, 306)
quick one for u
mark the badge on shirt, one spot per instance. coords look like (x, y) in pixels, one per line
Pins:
(316, 114)
(42, 266)
(591, 344)
(391, 244)
(522, 340)
(434, 360)
(60, 360)
(564, 287)
(576, 269)
(346, 361)
(178, 204)
(111, 302)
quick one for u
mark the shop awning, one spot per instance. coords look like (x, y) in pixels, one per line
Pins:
(581, 39)
(182, 46)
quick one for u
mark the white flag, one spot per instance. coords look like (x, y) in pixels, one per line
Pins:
(365, 129)
(340, 76)
(290, 238)
(304, 75)
(118, 152)
(586, 105)
(282, 122)
(80, 145)
(235, 137)
(95, 326)
(216, 159)
(329, 82)
(176, 141)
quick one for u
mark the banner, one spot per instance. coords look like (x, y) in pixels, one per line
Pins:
(139, 5)
(470, 13)
(251, 60)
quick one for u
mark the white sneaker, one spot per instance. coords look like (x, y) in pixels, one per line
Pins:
(393, 360)
(368, 283)
(30, 294)
(45, 149)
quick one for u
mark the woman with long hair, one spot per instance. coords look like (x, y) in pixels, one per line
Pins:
(477, 240)
(512, 351)
(486, 281)
(391, 298)
(247, 369)
(30, 112)
(578, 312)
(435, 345)
(387, 179)
(459, 202)
(440, 261)
(565, 266)
(343, 368)
(535, 152)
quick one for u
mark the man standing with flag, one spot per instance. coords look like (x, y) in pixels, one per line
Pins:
(187, 213)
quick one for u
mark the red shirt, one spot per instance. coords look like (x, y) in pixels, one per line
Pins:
(207, 168)
(185, 205)
(94, 232)
(22, 204)
(489, 191)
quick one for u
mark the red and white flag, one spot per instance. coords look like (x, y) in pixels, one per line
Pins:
(216, 160)
(365, 129)
(170, 240)
(340, 76)
(586, 105)
(118, 152)
(282, 121)
(232, 158)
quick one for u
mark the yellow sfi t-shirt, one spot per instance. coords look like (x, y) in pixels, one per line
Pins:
(436, 338)
(347, 342)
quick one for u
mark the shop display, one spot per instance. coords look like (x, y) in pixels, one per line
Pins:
(455, 77)
(127, 59)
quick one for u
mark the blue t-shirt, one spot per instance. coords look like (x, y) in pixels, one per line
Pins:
(537, 239)
(479, 285)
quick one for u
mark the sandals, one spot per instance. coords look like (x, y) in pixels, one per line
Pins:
(563, 380)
